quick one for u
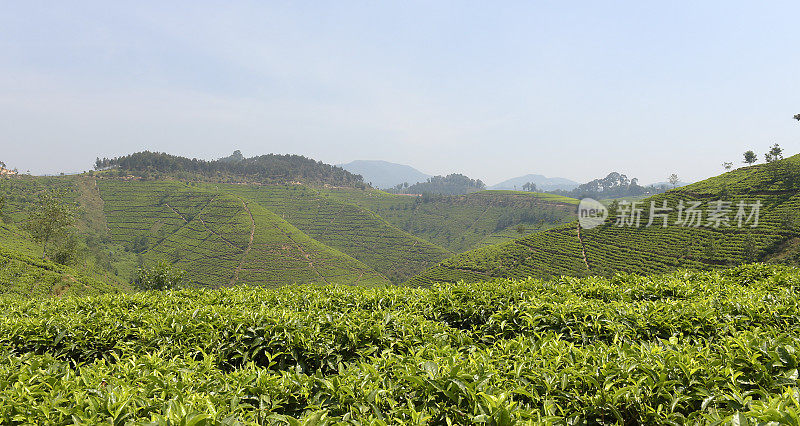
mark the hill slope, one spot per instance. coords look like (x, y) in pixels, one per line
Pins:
(346, 227)
(383, 174)
(609, 248)
(220, 239)
(460, 223)
(24, 273)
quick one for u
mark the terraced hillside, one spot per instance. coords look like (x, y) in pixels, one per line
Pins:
(611, 248)
(220, 239)
(346, 227)
(24, 273)
(461, 223)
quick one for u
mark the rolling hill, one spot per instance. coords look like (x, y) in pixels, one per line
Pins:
(608, 248)
(346, 227)
(460, 223)
(383, 174)
(126, 222)
(24, 273)
(221, 239)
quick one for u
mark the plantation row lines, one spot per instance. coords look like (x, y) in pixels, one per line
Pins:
(688, 347)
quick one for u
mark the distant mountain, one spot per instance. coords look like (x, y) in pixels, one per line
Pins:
(383, 174)
(543, 183)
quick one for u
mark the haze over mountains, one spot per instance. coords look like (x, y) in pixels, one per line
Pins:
(383, 174)
(543, 183)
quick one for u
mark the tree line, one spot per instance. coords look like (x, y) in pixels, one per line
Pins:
(452, 184)
(270, 168)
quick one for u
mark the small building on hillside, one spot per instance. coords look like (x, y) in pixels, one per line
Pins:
(5, 172)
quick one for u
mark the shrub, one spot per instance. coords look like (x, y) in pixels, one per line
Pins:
(162, 276)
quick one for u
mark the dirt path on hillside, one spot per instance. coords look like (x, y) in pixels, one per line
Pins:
(176, 212)
(249, 245)
(583, 248)
(94, 216)
(205, 225)
(305, 255)
(302, 252)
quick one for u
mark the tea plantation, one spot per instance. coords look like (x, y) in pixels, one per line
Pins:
(347, 227)
(23, 272)
(683, 348)
(463, 222)
(220, 239)
(611, 248)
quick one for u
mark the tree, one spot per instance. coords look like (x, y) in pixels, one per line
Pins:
(727, 165)
(750, 157)
(2, 164)
(162, 276)
(797, 117)
(673, 180)
(521, 229)
(775, 153)
(51, 217)
(530, 186)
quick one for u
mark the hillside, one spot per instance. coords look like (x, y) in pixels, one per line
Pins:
(346, 227)
(24, 273)
(461, 223)
(383, 174)
(220, 239)
(684, 348)
(610, 248)
(543, 183)
(272, 168)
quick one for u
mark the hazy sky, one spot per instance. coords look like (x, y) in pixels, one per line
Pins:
(490, 89)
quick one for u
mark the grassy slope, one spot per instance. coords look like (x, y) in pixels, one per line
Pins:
(647, 250)
(347, 227)
(459, 223)
(220, 239)
(24, 273)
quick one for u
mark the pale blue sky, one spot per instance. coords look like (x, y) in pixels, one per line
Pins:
(490, 89)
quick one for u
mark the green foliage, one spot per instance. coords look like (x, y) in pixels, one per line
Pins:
(683, 348)
(453, 184)
(775, 153)
(270, 168)
(51, 218)
(653, 249)
(162, 276)
(460, 223)
(750, 157)
(219, 238)
(351, 229)
(28, 276)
